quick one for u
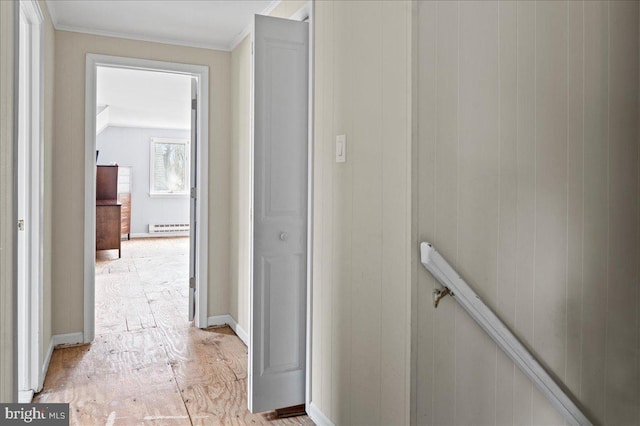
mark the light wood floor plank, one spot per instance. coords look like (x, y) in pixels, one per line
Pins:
(148, 364)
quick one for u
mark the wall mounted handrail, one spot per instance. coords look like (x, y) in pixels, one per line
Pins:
(499, 332)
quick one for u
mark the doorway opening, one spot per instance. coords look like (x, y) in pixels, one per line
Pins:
(154, 173)
(143, 182)
(29, 247)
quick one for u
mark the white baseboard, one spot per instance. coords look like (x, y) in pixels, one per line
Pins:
(45, 365)
(67, 339)
(318, 416)
(228, 320)
(157, 235)
(243, 335)
(219, 320)
(137, 235)
(62, 339)
(25, 397)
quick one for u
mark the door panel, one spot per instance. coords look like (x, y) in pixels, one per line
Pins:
(282, 326)
(278, 302)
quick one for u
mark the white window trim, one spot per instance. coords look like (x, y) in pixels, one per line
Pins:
(172, 195)
(152, 178)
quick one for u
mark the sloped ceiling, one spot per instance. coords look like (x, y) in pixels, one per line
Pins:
(144, 98)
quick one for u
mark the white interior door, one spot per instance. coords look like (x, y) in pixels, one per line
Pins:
(192, 211)
(280, 156)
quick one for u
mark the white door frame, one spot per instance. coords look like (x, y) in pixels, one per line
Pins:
(305, 12)
(31, 171)
(201, 72)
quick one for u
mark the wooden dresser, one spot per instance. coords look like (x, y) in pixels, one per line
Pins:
(124, 197)
(108, 209)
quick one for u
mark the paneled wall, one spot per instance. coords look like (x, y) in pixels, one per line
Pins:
(8, 386)
(362, 212)
(527, 182)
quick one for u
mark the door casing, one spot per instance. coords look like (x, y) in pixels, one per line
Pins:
(201, 72)
(193, 200)
(30, 181)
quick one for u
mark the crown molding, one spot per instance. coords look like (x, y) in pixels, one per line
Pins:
(247, 30)
(113, 34)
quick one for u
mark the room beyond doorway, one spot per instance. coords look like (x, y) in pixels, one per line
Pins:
(144, 152)
(199, 179)
(145, 288)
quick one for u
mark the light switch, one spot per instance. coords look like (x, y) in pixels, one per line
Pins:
(341, 148)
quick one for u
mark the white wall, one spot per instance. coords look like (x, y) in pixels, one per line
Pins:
(362, 212)
(130, 146)
(527, 182)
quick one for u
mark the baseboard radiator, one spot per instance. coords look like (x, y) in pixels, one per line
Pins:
(455, 286)
(168, 228)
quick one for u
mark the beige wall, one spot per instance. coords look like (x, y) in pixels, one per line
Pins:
(361, 248)
(240, 182)
(286, 8)
(68, 165)
(527, 182)
(8, 387)
(49, 73)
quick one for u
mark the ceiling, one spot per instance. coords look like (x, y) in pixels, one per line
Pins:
(154, 99)
(149, 99)
(214, 24)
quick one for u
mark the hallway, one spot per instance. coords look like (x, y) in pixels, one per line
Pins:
(148, 365)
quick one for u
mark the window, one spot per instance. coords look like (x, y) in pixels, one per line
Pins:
(169, 167)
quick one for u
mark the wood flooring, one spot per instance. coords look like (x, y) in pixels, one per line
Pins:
(148, 364)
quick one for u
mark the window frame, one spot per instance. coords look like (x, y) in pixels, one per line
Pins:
(153, 193)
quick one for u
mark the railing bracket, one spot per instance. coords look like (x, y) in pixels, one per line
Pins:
(439, 294)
